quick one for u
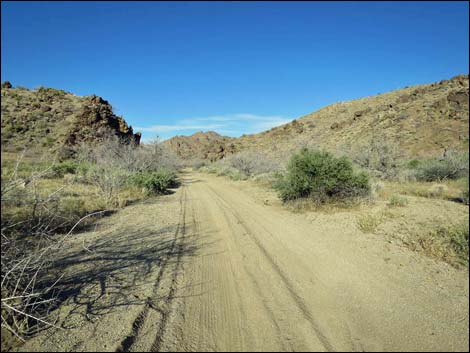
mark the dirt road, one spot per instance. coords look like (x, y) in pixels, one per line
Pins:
(214, 268)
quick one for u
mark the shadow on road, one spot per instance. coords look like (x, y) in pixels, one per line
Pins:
(99, 278)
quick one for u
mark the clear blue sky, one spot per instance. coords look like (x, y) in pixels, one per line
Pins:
(233, 67)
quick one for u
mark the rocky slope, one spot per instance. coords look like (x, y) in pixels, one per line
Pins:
(55, 120)
(421, 121)
(202, 145)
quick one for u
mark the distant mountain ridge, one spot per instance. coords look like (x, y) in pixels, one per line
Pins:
(202, 145)
(422, 121)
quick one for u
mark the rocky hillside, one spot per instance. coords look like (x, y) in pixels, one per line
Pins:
(421, 121)
(55, 120)
(202, 145)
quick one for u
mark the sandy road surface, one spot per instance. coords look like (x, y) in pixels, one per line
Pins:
(210, 268)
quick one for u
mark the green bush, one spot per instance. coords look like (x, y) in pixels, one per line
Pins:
(155, 182)
(449, 242)
(452, 166)
(48, 142)
(321, 176)
(58, 170)
(458, 239)
(397, 201)
(413, 164)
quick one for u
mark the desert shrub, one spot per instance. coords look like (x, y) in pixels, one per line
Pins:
(267, 178)
(321, 176)
(397, 201)
(446, 242)
(211, 168)
(437, 190)
(464, 196)
(413, 164)
(48, 142)
(378, 156)
(155, 182)
(452, 166)
(109, 180)
(376, 189)
(203, 169)
(65, 152)
(232, 173)
(112, 163)
(129, 156)
(83, 167)
(458, 239)
(196, 164)
(58, 170)
(251, 163)
(369, 223)
(34, 212)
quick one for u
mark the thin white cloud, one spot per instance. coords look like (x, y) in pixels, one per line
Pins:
(177, 127)
(238, 117)
(230, 124)
(270, 124)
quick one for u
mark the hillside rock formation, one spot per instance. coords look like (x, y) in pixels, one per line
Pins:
(202, 145)
(420, 121)
(55, 120)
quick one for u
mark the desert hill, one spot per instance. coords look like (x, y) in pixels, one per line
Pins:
(422, 121)
(55, 120)
(202, 145)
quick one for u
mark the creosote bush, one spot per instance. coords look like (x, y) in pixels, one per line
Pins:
(451, 166)
(322, 177)
(157, 182)
(58, 170)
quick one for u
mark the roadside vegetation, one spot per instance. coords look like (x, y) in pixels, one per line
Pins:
(44, 202)
(321, 177)
(373, 181)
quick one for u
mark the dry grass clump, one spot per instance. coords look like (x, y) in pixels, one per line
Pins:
(369, 223)
(397, 201)
(332, 206)
(437, 190)
(447, 190)
(447, 242)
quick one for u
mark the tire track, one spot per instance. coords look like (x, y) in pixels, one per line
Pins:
(166, 312)
(258, 290)
(128, 342)
(277, 269)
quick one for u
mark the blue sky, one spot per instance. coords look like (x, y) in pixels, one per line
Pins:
(174, 68)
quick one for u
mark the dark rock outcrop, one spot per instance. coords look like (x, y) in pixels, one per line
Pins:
(202, 145)
(97, 121)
